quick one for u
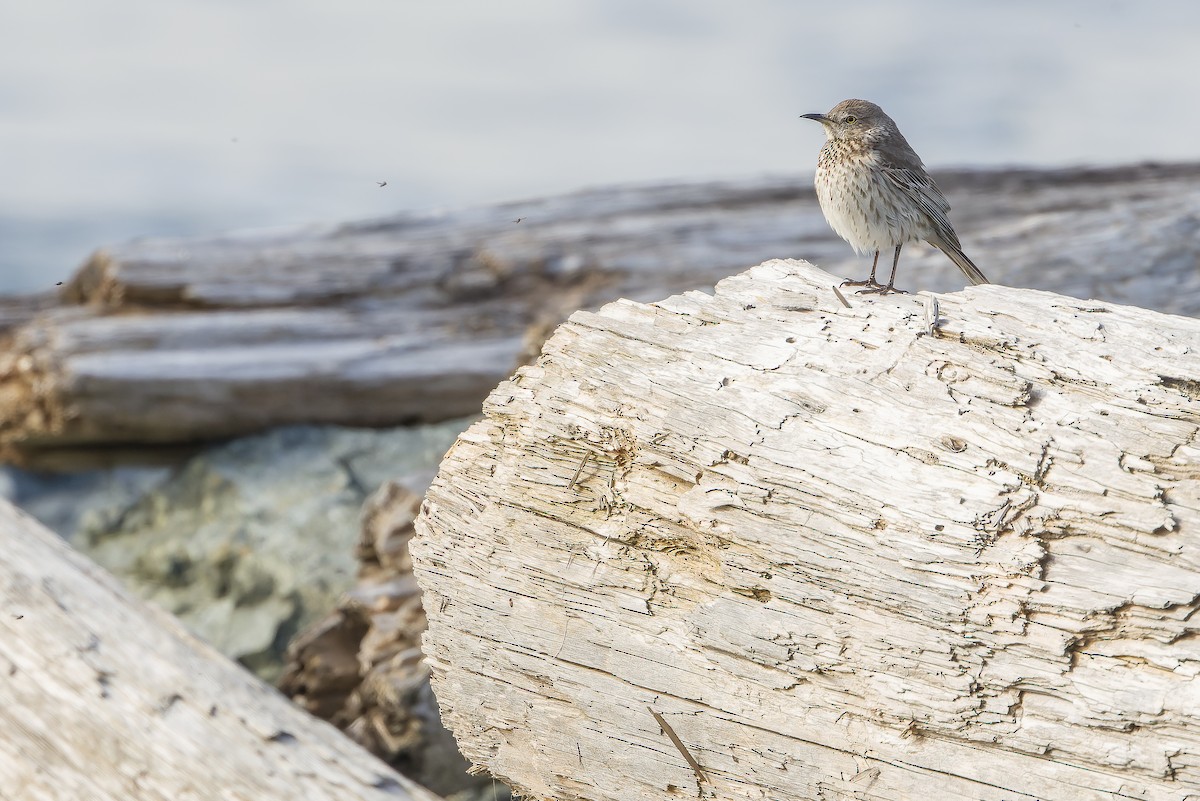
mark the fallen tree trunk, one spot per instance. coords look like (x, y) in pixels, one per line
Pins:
(893, 551)
(417, 317)
(104, 698)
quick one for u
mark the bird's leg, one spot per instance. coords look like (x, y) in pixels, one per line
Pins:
(870, 282)
(883, 290)
(895, 263)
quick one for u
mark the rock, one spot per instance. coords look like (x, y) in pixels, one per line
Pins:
(252, 541)
(68, 503)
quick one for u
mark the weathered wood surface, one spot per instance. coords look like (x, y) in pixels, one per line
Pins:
(103, 697)
(417, 317)
(845, 553)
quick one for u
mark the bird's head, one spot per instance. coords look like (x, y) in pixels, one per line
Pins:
(854, 119)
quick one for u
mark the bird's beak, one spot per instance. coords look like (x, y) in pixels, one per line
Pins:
(821, 118)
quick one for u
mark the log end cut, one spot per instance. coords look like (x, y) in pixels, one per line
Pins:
(941, 547)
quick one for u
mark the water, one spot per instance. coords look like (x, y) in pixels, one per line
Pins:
(156, 117)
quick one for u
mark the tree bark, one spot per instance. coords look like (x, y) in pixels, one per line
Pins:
(416, 318)
(921, 547)
(104, 698)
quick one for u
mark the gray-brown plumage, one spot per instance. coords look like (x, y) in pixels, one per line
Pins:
(875, 193)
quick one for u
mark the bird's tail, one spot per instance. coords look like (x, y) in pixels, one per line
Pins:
(958, 257)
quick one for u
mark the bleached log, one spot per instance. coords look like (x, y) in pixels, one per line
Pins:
(107, 699)
(417, 317)
(877, 552)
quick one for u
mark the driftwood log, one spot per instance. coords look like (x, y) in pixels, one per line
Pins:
(107, 699)
(932, 547)
(417, 317)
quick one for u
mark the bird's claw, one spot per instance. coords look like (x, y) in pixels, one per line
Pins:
(880, 289)
(872, 287)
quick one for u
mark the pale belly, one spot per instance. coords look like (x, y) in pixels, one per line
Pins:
(866, 209)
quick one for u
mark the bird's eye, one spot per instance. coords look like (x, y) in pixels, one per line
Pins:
(852, 119)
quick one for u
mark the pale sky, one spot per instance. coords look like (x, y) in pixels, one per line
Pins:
(167, 117)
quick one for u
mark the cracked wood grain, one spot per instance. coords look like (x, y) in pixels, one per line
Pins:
(869, 557)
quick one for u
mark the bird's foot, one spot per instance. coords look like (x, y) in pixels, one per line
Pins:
(865, 282)
(880, 289)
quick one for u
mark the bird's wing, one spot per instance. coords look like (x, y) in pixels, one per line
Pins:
(917, 185)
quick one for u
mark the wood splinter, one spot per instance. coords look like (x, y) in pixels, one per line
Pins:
(840, 296)
(932, 318)
(578, 470)
(666, 727)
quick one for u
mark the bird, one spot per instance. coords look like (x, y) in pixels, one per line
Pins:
(875, 193)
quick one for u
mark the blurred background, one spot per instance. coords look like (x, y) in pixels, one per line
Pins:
(147, 118)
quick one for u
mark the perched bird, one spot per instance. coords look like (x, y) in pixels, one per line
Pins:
(875, 193)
